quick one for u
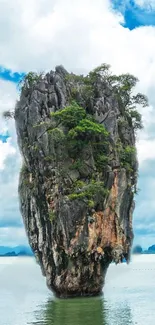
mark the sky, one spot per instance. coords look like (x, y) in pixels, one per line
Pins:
(37, 35)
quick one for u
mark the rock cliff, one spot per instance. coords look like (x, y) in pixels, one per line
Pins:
(76, 135)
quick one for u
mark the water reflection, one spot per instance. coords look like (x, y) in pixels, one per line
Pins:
(118, 313)
(84, 311)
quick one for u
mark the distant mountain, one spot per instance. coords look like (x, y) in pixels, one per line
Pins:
(151, 248)
(16, 251)
(138, 250)
(10, 254)
(25, 249)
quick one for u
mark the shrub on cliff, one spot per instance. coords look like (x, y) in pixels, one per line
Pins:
(29, 80)
(122, 86)
(80, 130)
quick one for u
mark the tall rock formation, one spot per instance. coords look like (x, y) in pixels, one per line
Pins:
(77, 138)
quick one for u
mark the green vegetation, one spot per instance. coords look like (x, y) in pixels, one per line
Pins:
(79, 184)
(8, 115)
(85, 133)
(88, 130)
(101, 162)
(29, 80)
(87, 92)
(74, 132)
(90, 193)
(81, 132)
(52, 215)
(80, 129)
(128, 157)
(102, 72)
(24, 170)
(70, 116)
(81, 135)
(25, 83)
(75, 196)
(91, 204)
(77, 164)
(71, 77)
(136, 119)
(121, 87)
(57, 134)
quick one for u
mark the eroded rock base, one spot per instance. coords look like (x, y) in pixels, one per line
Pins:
(79, 282)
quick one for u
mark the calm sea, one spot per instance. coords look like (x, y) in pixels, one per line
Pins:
(128, 298)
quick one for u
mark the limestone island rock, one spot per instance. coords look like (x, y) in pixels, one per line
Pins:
(76, 135)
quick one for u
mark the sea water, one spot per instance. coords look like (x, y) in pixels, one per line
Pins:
(128, 296)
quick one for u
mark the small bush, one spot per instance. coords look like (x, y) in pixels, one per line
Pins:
(128, 157)
(52, 215)
(8, 115)
(94, 192)
(89, 129)
(56, 134)
(136, 119)
(70, 116)
(29, 80)
(101, 162)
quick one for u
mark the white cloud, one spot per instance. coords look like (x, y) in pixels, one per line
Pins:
(9, 160)
(146, 150)
(8, 96)
(145, 240)
(12, 236)
(5, 150)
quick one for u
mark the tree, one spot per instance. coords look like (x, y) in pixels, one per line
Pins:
(122, 87)
(8, 114)
(29, 80)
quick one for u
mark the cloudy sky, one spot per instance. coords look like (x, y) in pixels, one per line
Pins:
(80, 34)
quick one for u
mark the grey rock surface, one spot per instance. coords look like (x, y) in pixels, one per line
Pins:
(72, 243)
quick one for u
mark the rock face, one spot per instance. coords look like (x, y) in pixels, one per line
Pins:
(77, 210)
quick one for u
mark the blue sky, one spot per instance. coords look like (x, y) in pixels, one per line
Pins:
(80, 35)
(8, 75)
(135, 15)
(4, 137)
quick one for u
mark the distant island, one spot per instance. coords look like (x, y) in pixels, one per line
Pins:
(26, 251)
(15, 251)
(139, 250)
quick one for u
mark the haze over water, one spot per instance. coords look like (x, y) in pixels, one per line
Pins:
(128, 298)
